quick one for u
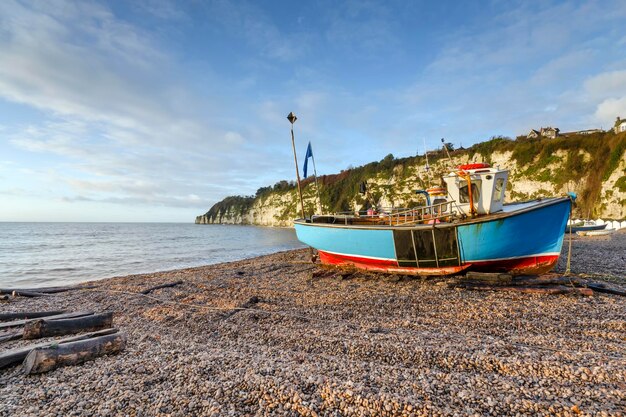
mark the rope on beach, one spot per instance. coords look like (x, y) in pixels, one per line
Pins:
(335, 321)
(209, 308)
(569, 250)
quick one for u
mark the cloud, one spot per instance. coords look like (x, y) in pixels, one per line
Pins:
(609, 109)
(249, 21)
(362, 28)
(533, 65)
(162, 9)
(606, 84)
(113, 116)
(130, 114)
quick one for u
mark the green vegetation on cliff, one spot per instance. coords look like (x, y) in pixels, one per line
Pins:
(234, 205)
(574, 162)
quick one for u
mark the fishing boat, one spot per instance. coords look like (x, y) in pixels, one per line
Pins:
(597, 232)
(586, 226)
(463, 226)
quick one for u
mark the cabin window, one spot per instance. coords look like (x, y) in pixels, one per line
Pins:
(498, 192)
(464, 195)
(437, 209)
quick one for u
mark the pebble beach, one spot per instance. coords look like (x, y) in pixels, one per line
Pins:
(318, 342)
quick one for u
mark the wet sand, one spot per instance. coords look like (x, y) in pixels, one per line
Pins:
(330, 345)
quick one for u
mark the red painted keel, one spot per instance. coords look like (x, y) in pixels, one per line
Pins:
(532, 265)
(387, 266)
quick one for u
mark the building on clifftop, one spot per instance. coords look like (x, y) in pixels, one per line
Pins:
(550, 132)
(620, 125)
(581, 132)
(533, 134)
(545, 132)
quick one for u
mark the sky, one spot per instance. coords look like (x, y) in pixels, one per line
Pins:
(153, 110)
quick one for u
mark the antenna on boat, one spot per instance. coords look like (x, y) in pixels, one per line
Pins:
(427, 167)
(443, 141)
(292, 119)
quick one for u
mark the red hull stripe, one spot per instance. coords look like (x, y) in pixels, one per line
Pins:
(385, 265)
(528, 265)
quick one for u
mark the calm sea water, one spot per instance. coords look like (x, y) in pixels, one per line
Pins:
(47, 254)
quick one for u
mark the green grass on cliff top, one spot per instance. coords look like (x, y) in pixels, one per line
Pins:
(533, 157)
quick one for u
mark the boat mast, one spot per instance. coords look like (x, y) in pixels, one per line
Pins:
(292, 119)
(317, 188)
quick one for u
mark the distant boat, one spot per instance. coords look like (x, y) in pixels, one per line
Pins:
(596, 232)
(467, 226)
(585, 226)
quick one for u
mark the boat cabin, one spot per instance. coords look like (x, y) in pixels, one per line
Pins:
(487, 188)
(443, 204)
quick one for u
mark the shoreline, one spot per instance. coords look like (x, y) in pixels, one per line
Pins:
(331, 344)
(70, 253)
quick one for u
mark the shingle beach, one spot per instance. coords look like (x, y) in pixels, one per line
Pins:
(318, 343)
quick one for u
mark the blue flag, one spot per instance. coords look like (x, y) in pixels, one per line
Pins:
(309, 154)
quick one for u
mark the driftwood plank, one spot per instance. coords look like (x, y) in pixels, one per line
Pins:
(11, 336)
(44, 290)
(604, 289)
(59, 316)
(54, 290)
(17, 355)
(23, 293)
(490, 277)
(545, 282)
(45, 359)
(170, 284)
(556, 289)
(251, 302)
(30, 314)
(59, 327)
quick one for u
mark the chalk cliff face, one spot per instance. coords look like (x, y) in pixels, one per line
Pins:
(595, 171)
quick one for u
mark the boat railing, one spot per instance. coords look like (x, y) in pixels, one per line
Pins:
(398, 215)
(432, 212)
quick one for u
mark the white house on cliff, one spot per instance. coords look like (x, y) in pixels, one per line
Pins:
(546, 132)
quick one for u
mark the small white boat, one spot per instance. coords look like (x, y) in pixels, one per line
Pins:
(585, 226)
(596, 232)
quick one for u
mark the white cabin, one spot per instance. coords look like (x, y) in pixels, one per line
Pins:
(488, 187)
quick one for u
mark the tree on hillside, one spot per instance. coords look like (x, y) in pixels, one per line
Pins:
(449, 146)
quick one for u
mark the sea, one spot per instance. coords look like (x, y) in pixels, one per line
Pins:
(48, 254)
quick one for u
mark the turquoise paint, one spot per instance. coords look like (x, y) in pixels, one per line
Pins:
(349, 241)
(531, 233)
(534, 232)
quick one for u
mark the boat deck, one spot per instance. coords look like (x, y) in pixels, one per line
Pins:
(441, 214)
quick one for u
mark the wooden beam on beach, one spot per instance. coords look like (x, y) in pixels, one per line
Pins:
(17, 355)
(487, 277)
(248, 304)
(29, 314)
(556, 289)
(22, 293)
(59, 327)
(16, 323)
(38, 292)
(7, 337)
(170, 284)
(54, 290)
(539, 281)
(604, 289)
(44, 359)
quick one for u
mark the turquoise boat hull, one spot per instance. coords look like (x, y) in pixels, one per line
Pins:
(525, 238)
